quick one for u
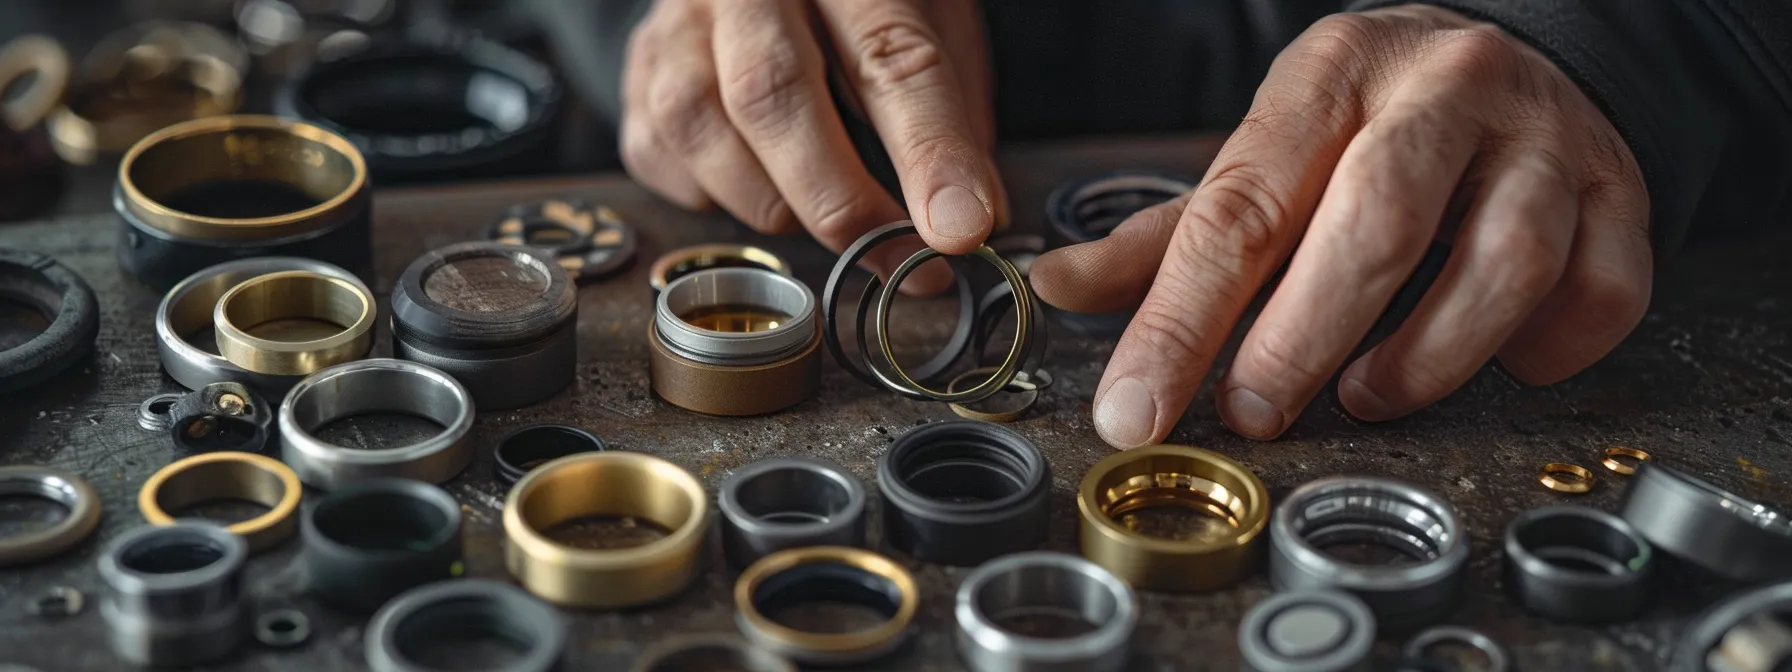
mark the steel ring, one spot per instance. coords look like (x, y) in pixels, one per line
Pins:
(1307, 631)
(486, 607)
(282, 628)
(1577, 564)
(1707, 631)
(152, 414)
(187, 310)
(61, 487)
(688, 651)
(227, 475)
(1698, 522)
(1005, 372)
(830, 308)
(367, 386)
(1497, 659)
(1044, 582)
(175, 595)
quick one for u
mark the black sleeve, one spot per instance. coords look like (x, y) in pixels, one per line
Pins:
(1700, 89)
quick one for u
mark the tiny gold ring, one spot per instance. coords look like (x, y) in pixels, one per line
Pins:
(1551, 477)
(1617, 466)
(1027, 393)
(227, 475)
(293, 295)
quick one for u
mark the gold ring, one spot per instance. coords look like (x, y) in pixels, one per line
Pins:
(1613, 453)
(32, 55)
(227, 475)
(109, 108)
(293, 295)
(755, 589)
(1004, 373)
(1179, 476)
(635, 486)
(686, 260)
(1550, 473)
(1028, 396)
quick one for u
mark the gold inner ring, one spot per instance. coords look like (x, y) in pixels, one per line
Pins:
(1187, 491)
(211, 477)
(746, 592)
(1550, 477)
(1005, 372)
(684, 261)
(1612, 463)
(263, 300)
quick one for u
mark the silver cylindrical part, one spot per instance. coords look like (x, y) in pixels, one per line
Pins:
(370, 386)
(1044, 582)
(786, 502)
(736, 287)
(175, 594)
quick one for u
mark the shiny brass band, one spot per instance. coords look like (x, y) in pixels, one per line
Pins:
(1167, 475)
(289, 295)
(227, 475)
(825, 648)
(687, 260)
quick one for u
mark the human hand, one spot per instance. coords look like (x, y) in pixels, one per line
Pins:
(1368, 131)
(726, 102)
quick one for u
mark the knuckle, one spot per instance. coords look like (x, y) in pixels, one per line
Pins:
(771, 215)
(894, 52)
(1523, 262)
(1176, 336)
(764, 94)
(683, 108)
(1478, 53)
(1280, 352)
(1611, 298)
(838, 218)
(1409, 378)
(1235, 220)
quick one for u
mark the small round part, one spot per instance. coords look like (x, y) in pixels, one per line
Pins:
(345, 312)
(64, 300)
(61, 487)
(1577, 564)
(825, 573)
(709, 651)
(174, 594)
(57, 602)
(1497, 660)
(1761, 643)
(152, 414)
(735, 341)
(964, 492)
(1733, 634)
(1696, 521)
(1307, 631)
(221, 416)
(39, 66)
(370, 541)
(142, 78)
(558, 226)
(900, 381)
(687, 260)
(1617, 466)
(787, 502)
(956, 344)
(523, 450)
(1038, 583)
(227, 475)
(1570, 478)
(471, 609)
(372, 386)
(1089, 209)
(282, 628)
(1023, 399)
(1231, 501)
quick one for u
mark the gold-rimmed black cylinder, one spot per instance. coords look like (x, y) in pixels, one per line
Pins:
(833, 573)
(210, 190)
(1180, 476)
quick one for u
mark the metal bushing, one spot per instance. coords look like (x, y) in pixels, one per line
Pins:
(227, 475)
(860, 367)
(963, 492)
(642, 487)
(735, 341)
(186, 313)
(833, 574)
(708, 651)
(63, 299)
(786, 502)
(1392, 514)
(1746, 632)
(468, 609)
(1044, 582)
(217, 189)
(523, 450)
(318, 300)
(1698, 522)
(368, 542)
(1126, 482)
(1576, 564)
(1307, 631)
(371, 386)
(61, 487)
(219, 416)
(174, 594)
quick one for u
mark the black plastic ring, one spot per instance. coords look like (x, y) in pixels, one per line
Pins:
(523, 450)
(60, 295)
(1576, 564)
(962, 492)
(830, 307)
(1090, 208)
(370, 541)
(485, 607)
(787, 502)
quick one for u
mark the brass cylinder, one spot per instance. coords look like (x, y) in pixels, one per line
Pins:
(227, 475)
(607, 484)
(719, 389)
(289, 295)
(1169, 475)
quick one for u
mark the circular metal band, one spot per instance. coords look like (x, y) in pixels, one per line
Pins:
(290, 295)
(1089, 209)
(1307, 631)
(610, 483)
(1701, 639)
(176, 593)
(1044, 582)
(1017, 353)
(227, 475)
(187, 309)
(63, 298)
(42, 58)
(830, 308)
(787, 502)
(719, 389)
(963, 492)
(570, 224)
(729, 289)
(834, 573)
(61, 487)
(523, 450)
(1698, 522)
(1576, 564)
(689, 651)
(687, 260)
(152, 414)
(1614, 465)
(1180, 476)
(1497, 659)
(1379, 511)
(1027, 397)
(366, 543)
(1551, 477)
(369, 386)
(468, 607)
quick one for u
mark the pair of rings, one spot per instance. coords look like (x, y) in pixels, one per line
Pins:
(1576, 479)
(325, 291)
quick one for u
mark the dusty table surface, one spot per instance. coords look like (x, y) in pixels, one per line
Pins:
(1705, 383)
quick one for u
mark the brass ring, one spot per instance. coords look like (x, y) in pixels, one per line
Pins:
(32, 55)
(1613, 453)
(289, 295)
(1548, 478)
(1170, 475)
(227, 475)
(686, 260)
(133, 92)
(612, 484)
(1005, 372)
(843, 565)
(1029, 396)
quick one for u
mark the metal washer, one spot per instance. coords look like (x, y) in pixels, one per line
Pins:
(1307, 631)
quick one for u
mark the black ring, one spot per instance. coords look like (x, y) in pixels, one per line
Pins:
(486, 607)
(370, 541)
(571, 216)
(925, 469)
(176, 594)
(787, 502)
(59, 294)
(1576, 564)
(1074, 207)
(523, 450)
(830, 307)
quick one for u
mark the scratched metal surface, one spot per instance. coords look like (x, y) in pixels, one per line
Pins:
(1705, 383)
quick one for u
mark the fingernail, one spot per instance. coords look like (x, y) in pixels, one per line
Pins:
(1363, 402)
(955, 212)
(1126, 415)
(1250, 415)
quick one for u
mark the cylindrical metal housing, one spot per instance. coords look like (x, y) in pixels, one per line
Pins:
(1703, 524)
(786, 502)
(1044, 582)
(735, 341)
(368, 542)
(1307, 631)
(1170, 475)
(1577, 564)
(962, 492)
(367, 386)
(174, 594)
(227, 475)
(468, 608)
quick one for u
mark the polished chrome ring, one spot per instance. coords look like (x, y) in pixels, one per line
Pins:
(368, 386)
(721, 287)
(1044, 582)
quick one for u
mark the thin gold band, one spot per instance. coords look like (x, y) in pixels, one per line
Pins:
(1548, 478)
(286, 295)
(1612, 463)
(222, 476)
(825, 647)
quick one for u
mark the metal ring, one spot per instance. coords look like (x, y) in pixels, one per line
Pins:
(787, 309)
(227, 475)
(152, 414)
(143, 78)
(1307, 631)
(830, 308)
(1576, 564)
(61, 487)
(1023, 319)
(1384, 512)
(56, 602)
(1071, 207)
(1698, 522)
(62, 297)
(687, 260)
(368, 386)
(687, 651)
(963, 492)
(1497, 659)
(368, 542)
(176, 593)
(572, 221)
(1044, 582)
(287, 295)
(1702, 638)
(40, 56)
(786, 502)
(1612, 464)
(523, 450)
(1181, 476)
(1550, 477)
(1028, 397)
(282, 628)
(187, 310)
(614, 483)
(835, 573)
(476, 605)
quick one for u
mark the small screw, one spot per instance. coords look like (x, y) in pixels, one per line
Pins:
(232, 404)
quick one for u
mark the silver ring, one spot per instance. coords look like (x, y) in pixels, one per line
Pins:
(688, 651)
(367, 386)
(1044, 582)
(187, 309)
(1383, 512)
(1497, 660)
(722, 287)
(59, 486)
(1307, 631)
(1704, 636)
(1707, 526)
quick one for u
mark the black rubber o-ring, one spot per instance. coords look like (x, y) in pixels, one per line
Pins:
(830, 307)
(54, 290)
(964, 460)
(523, 450)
